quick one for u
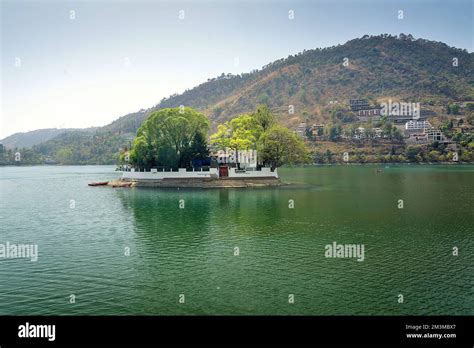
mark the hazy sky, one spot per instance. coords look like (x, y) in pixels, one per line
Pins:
(115, 57)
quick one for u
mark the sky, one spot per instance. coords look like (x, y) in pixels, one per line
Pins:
(76, 64)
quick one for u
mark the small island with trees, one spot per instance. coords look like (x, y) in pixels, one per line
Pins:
(173, 149)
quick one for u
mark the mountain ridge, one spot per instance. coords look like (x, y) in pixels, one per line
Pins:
(382, 66)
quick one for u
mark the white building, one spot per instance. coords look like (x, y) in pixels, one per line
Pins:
(417, 125)
(434, 134)
(369, 112)
(359, 133)
(377, 132)
(211, 173)
(417, 138)
(301, 130)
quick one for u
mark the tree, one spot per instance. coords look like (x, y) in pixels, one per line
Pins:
(241, 133)
(64, 155)
(396, 135)
(453, 109)
(198, 149)
(470, 119)
(245, 131)
(329, 155)
(264, 117)
(334, 131)
(221, 138)
(167, 136)
(434, 156)
(141, 154)
(411, 153)
(279, 146)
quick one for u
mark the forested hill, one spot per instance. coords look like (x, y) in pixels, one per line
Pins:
(378, 66)
(29, 139)
(383, 66)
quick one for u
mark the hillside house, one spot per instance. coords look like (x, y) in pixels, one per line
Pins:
(417, 125)
(317, 130)
(417, 138)
(301, 130)
(359, 133)
(358, 104)
(434, 135)
(378, 132)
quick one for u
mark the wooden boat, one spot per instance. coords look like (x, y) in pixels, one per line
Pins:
(101, 183)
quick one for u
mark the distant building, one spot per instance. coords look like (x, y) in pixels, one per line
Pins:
(378, 133)
(360, 133)
(434, 135)
(369, 112)
(417, 125)
(301, 130)
(358, 104)
(417, 138)
(317, 130)
(400, 118)
(372, 114)
(364, 111)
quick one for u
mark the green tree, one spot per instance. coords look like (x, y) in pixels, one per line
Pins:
(142, 154)
(264, 117)
(279, 146)
(198, 149)
(410, 153)
(329, 156)
(433, 156)
(334, 131)
(245, 131)
(64, 155)
(241, 133)
(167, 136)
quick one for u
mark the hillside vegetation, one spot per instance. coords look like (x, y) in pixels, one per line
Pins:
(309, 83)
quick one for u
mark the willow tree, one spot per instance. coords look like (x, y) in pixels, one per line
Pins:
(167, 138)
(241, 133)
(264, 117)
(279, 146)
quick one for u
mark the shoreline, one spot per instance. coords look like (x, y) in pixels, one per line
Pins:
(199, 183)
(294, 166)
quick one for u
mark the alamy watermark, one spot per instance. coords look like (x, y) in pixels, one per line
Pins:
(400, 109)
(335, 250)
(241, 156)
(19, 251)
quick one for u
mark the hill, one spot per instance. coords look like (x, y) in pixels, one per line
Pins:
(378, 67)
(28, 139)
(381, 66)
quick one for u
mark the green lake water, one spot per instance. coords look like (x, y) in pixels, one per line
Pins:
(190, 251)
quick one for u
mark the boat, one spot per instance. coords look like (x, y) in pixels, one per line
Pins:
(101, 183)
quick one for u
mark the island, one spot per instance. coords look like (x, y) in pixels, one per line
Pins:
(172, 149)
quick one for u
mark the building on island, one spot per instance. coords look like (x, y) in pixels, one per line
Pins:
(230, 164)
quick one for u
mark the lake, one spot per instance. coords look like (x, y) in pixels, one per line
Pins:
(240, 251)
